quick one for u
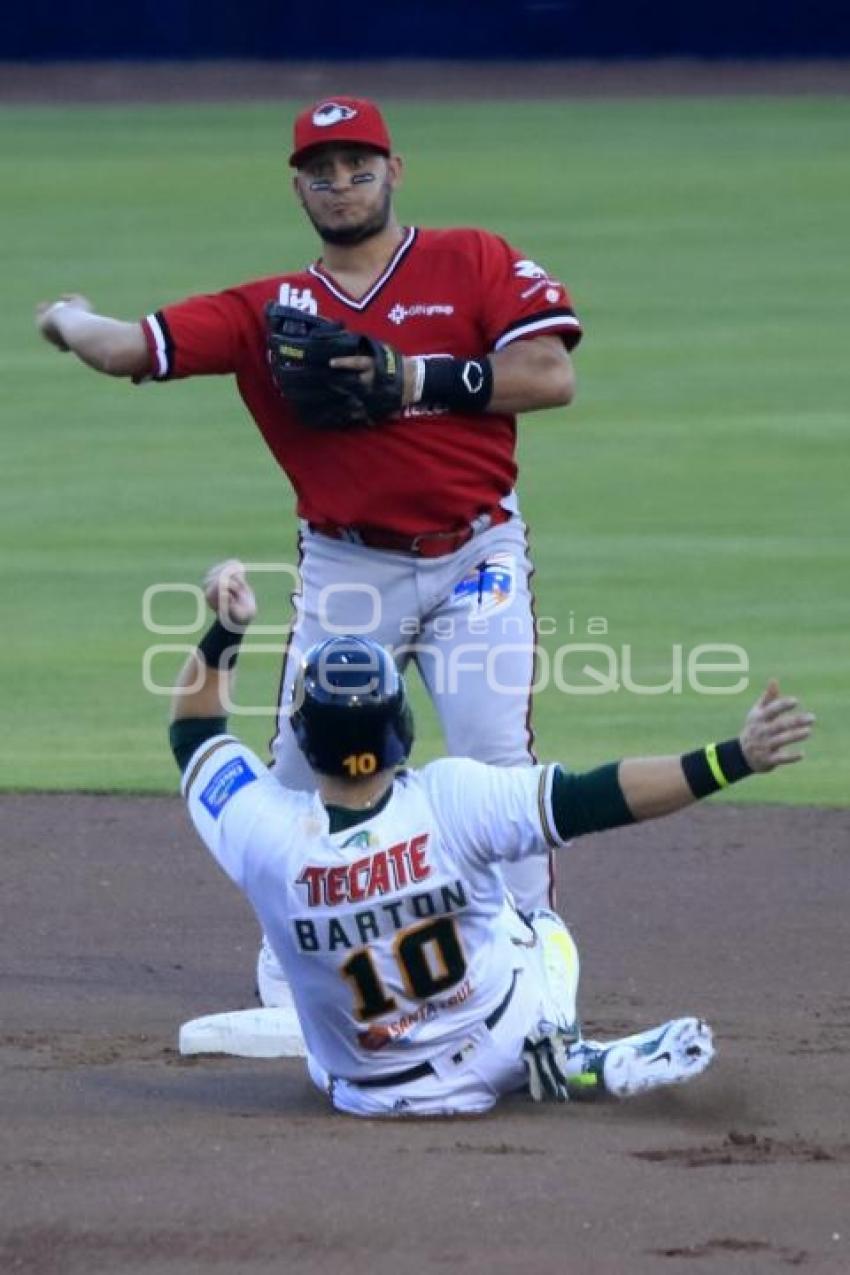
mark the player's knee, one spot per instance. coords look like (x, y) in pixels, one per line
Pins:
(560, 960)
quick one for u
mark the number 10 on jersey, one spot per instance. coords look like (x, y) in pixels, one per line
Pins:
(430, 959)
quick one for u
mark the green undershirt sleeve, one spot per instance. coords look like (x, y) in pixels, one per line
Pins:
(588, 803)
(188, 733)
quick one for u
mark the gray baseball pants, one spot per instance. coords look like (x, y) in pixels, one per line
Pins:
(465, 620)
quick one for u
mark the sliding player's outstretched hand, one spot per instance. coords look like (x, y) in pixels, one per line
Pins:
(772, 727)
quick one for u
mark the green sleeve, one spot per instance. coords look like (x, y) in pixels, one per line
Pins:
(589, 802)
(188, 733)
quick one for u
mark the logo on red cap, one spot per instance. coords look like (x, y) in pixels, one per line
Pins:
(332, 113)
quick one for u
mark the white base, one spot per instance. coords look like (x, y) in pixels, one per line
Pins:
(246, 1033)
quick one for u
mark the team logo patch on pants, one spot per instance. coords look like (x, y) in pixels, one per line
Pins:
(489, 585)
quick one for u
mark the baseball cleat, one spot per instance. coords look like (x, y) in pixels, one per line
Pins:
(245, 1033)
(671, 1054)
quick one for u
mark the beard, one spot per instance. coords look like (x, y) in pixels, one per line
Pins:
(372, 224)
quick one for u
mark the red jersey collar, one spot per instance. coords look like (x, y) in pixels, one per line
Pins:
(392, 265)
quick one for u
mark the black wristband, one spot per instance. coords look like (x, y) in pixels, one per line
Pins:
(219, 647)
(714, 767)
(462, 385)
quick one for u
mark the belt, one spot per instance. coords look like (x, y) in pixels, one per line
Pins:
(425, 1069)
(427, 544)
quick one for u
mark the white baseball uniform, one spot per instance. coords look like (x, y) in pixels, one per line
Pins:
(401, 946)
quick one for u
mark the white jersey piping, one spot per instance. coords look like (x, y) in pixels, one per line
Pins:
(162, 368)
(394, 263)
(535, 325)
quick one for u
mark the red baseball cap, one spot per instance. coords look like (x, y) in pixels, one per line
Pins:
(339, 119)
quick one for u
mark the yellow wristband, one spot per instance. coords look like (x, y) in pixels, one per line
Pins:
(714, 765)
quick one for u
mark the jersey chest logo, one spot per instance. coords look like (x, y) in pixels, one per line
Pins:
(424, 310)
(298, 298)
(382, 872)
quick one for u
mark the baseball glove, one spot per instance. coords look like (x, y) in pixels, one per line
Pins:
(300, 347)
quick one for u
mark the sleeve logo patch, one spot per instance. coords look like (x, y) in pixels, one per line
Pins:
(226, 781)
(526, 269)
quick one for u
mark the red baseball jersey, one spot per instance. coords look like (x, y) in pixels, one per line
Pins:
(460, 292)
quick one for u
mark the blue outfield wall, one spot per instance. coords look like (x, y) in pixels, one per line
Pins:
(329, 29)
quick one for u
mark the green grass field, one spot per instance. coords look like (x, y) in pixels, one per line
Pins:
(695, 493)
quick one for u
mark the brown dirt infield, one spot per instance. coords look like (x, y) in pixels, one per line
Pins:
(118, 1156)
